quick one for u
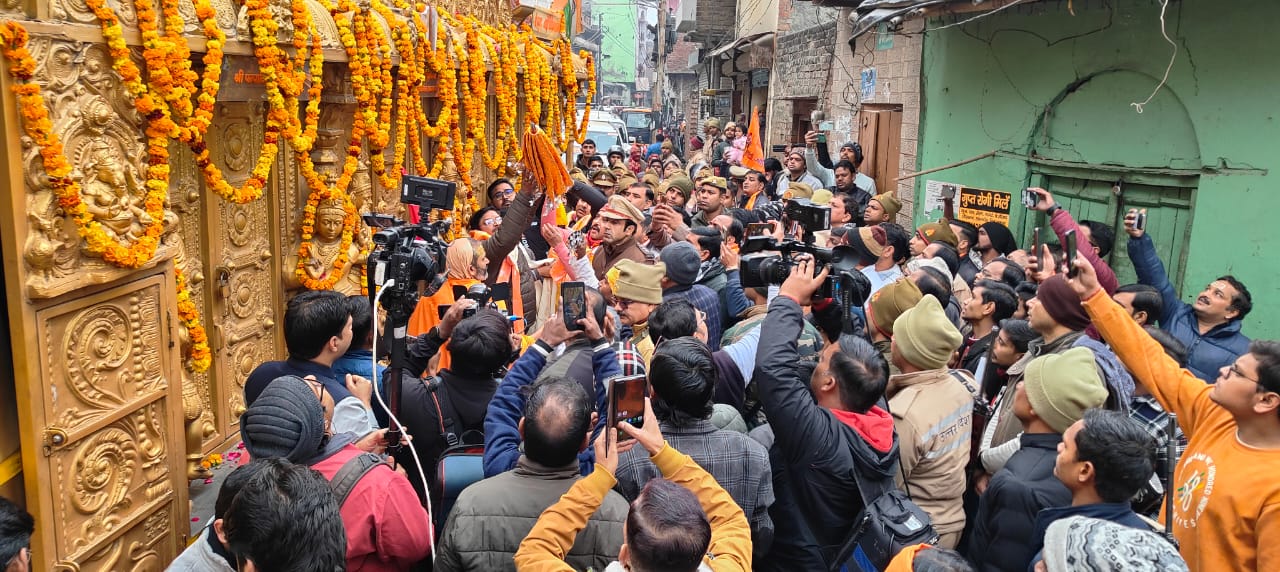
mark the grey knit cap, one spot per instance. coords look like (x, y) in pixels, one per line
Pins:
(682, 262)
(285, 421)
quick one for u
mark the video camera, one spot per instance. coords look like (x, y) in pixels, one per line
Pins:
(845, 284)
(809, 217)
(408, 253)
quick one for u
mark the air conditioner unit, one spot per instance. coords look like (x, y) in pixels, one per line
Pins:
(726, 84)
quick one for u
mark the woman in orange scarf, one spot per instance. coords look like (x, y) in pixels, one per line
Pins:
(466, 265)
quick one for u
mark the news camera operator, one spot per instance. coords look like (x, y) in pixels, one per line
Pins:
(829, 432)
(442, 411)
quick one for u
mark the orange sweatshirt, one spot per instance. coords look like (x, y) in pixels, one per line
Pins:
(552, 537)
(1226, 505)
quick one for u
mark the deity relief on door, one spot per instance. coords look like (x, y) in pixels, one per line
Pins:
(103, 143)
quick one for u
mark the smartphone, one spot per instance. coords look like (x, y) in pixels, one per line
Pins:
(1029, 198)
(626, 400)
(759, 228)
(573, 300)
(822, 137)
(1035, 245)
(1069, 251)
(1140, 221)
(948, 191)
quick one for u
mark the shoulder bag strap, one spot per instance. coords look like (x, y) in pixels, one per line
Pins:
(351, 472)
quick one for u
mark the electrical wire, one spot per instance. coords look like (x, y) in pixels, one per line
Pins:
(1164, 5)
(431, 528)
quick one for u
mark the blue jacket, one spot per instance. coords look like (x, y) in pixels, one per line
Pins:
(501, 432)
(1206, 354)
(359, 362)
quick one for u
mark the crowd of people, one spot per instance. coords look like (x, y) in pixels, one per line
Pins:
(1015, 403)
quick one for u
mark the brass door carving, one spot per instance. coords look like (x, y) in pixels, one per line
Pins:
(108, 404)
(241, 279)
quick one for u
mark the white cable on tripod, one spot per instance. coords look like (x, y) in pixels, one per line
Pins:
(431, 529)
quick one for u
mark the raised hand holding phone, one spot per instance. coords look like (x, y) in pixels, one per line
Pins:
(649, 436)
(1070, 253)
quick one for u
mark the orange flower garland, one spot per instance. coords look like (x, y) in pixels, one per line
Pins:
(590, 95)
(198, 356)
(38, 126)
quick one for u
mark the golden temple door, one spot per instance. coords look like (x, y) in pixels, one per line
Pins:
(96, 358)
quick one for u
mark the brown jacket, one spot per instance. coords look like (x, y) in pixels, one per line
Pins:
(611, 255)
(508, 234)
(932, 413)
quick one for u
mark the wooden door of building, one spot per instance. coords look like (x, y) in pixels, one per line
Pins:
(1094, 198)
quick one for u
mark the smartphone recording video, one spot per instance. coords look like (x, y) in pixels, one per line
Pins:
(573, 300)
(626, 400)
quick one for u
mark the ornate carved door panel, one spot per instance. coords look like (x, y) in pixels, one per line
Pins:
(109, 401)
(241, 278)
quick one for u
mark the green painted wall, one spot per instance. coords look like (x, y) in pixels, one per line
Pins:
(619, 43)
(986, 86)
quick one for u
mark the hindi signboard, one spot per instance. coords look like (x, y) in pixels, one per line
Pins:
(978, 206)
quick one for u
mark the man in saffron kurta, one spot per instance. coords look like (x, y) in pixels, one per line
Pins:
(1226, 505)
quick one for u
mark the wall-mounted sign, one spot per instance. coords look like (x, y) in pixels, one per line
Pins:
(868, 84)
(724, 105)
(978, 206)
(241, 79)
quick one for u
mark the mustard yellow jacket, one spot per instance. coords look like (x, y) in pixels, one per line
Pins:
(730, 550)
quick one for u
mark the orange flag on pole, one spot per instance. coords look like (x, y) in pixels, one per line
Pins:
(753, 155)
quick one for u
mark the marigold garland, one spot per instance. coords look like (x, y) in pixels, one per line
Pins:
(198, 356)
(40, 128)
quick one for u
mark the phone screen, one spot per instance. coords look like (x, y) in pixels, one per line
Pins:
(1035, 245)
(626, 400)
(1029, 198)
(573, 299)
(759, 228)
(1070, 252)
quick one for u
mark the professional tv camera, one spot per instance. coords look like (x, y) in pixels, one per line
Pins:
(845, 284)
(808, 217)
(403, 255)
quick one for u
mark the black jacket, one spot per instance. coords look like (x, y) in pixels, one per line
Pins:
(1006, 521)
(815, 454)
(467, 398)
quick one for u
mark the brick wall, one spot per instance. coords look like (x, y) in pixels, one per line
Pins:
(802, 66)
(897, 83)
(715, 22)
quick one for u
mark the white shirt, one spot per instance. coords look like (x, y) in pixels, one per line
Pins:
(879, 279)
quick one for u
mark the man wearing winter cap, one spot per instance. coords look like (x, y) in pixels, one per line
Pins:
(931, 408)
(682, 265)
(883, 310)
(931, 232)
(1056, 314)
(637, 293)
(1054, 394)
(387, 528)
(621, 222)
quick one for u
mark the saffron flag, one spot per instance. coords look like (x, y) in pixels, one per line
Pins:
(753, 154)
